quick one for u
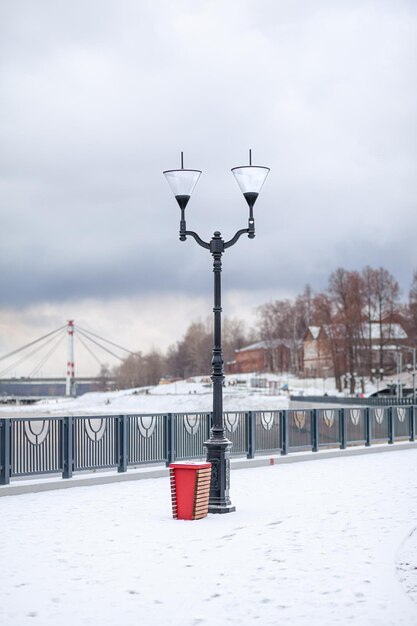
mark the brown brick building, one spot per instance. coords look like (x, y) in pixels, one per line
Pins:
(377, 345)
(263, 356)
(317, 358)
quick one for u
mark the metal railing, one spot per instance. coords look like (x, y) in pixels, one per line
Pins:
(66, 445)
(373, 401)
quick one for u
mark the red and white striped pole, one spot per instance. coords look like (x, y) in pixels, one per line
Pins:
(70, 387)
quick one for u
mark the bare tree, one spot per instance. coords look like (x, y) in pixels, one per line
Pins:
(382, 293)
(154, 367)
(235, 337)
(198, 349)
(307, 298)
(412, 309)
(103, 375)
(352, 306)
(323, 315)
(139, 370)
(175, 360)
(191, 356)
(368, 275)
(286, 320)
(346, 290)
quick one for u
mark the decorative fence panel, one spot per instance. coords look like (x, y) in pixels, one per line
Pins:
(355, 426)
(36, 446)
(267, 430)
(236, 431)
(401, 419)
(348, 401)
(95, 442)
(328, 427)
(379, 423)
(146, 439)
(191, 431)
(47, 445)
(300, 433)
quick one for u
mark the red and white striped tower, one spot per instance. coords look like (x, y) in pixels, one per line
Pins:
(70, 382)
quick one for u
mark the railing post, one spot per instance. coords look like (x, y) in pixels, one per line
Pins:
(342, 429)
(411, 418)
(391, 434)
(251, 433)
(5, 429)
(67, 446)
(170, 438)
(314, 431)
(122, 429)
(284, 431)
(368, 434)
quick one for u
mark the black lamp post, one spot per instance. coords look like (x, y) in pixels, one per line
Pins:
(182, 182)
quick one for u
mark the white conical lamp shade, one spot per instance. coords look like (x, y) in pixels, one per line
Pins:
(182, 183)
(250, 179)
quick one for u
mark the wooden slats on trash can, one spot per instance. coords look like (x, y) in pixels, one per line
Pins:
(173, 494)
(190, 491)
(202, 492)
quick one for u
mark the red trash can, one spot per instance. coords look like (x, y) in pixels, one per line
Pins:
(190, 489)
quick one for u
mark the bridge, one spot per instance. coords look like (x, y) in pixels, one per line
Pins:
(30, 388)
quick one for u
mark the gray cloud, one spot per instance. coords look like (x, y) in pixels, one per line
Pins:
(97, 98)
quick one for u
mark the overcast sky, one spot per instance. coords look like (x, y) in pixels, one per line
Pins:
(97, 98)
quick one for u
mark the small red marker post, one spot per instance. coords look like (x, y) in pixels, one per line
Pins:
(190, 490)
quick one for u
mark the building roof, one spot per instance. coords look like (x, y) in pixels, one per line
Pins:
(315, 331)
(373, 330)
(268, 344)
(384, 331)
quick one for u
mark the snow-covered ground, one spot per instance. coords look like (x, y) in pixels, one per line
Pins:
(309, 544)
(182, 396)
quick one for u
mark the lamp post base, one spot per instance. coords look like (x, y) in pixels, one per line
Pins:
(218, 454)
(222, 509)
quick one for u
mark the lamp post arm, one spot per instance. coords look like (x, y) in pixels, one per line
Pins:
(184, 232)
(227, 244)
(234, 239)
(191, 233)
(250, 231)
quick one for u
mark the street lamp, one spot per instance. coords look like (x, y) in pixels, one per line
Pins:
(399, 372)
(413, 351)
(182, 181)
(376, 373)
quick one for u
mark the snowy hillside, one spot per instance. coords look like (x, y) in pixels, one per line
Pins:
(181, 396)
(241, 392)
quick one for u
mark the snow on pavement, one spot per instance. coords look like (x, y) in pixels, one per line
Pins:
(310, 543)
(407, 564)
